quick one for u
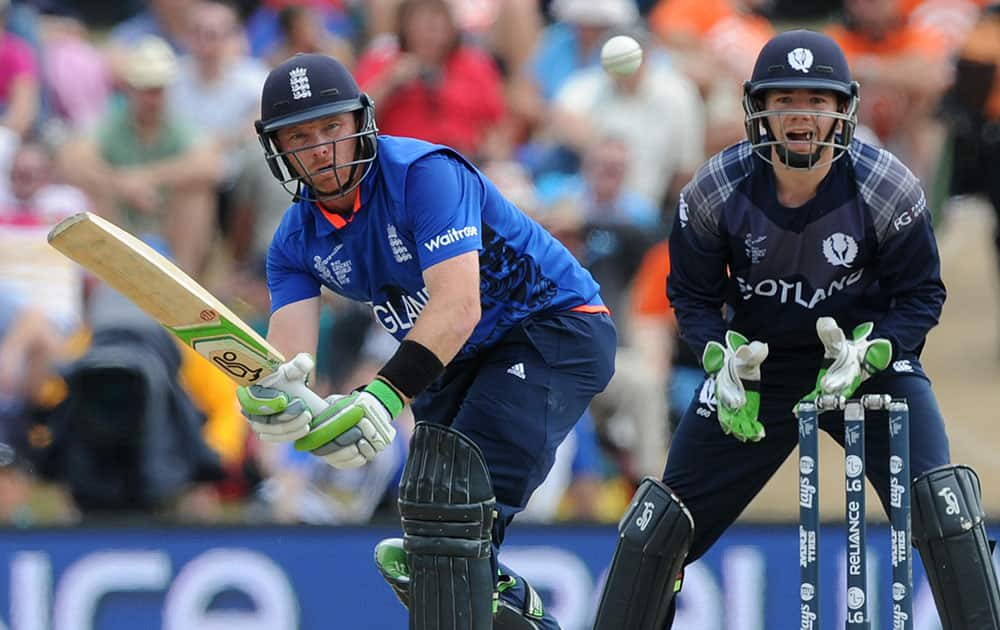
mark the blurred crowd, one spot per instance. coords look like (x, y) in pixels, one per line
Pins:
(143, 112)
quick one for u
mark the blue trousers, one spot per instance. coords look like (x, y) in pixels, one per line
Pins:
(519, 399)
(716, 476)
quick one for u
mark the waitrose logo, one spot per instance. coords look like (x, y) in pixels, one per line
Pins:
(451, 236)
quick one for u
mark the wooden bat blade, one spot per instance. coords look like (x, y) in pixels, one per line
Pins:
(167, 294)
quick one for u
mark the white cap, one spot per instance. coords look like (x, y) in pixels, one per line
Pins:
(150, 64)
(608, 13)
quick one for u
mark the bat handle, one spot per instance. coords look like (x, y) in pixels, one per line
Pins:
(299, 389)
(291, 379)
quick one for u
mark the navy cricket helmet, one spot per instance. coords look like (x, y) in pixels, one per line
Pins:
(801, 59)
(307, 87)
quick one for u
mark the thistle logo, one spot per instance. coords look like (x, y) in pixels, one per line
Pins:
(299, 82)
(840, 249)
(800, 59)
(451, 236)
(682, 211)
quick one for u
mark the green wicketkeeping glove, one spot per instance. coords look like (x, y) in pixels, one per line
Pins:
(848, 363)
(736, 368)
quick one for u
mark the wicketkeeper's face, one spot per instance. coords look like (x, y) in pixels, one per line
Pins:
(801, 118)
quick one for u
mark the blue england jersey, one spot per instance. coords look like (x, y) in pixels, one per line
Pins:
(420, 205)
(862, 249)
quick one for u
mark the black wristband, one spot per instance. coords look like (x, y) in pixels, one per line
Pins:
(412, 368)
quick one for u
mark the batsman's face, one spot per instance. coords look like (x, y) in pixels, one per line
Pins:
(800, 117)
(316, 147)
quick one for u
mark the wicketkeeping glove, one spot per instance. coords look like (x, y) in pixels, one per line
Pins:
(354, 428)
(851, 362)
(736, 368)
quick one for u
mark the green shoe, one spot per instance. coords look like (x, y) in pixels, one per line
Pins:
(390, 559)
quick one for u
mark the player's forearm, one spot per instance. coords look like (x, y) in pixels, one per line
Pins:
(695, 287)
(910, 275)
(294, 328)
(911, 317)
(445, 325)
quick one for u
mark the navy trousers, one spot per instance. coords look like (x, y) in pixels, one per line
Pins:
(519, 399)
(717, 476)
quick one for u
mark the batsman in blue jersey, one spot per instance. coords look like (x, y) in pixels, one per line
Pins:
(803, 261)
(503, 337)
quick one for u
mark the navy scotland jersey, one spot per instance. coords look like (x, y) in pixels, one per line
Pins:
(862, 249)
(422, 204)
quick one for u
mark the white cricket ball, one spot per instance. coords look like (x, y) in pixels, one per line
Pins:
(621, 55)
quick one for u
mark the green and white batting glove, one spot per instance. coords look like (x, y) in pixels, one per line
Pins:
(853, 360)
(354, 428)
(736, 368)
(278, 409)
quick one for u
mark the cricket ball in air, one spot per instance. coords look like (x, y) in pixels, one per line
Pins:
(621, 55)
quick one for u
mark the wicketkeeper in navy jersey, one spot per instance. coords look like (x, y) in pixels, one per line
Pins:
(803, 261)
(504, 338)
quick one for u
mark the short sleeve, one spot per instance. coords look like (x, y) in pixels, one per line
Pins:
(288, 279)
(444, 202)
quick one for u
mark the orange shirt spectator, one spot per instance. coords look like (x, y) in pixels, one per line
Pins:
(951, 18)
(735, 36)
(714, 43)
(649, 287)
(879, 63)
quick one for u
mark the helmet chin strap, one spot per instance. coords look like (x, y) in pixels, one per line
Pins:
(794, 159)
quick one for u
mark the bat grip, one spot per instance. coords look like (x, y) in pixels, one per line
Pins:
(291, 379)
(298, 389)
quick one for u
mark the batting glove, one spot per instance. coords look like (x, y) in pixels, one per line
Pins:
(277, 409)
(354, 428)
(736, 368)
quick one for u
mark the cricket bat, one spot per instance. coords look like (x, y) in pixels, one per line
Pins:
(185, 308)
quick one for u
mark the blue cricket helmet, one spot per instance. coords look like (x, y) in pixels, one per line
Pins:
(800, 59)
(308, 87)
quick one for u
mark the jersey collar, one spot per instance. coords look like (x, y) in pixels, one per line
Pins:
(333, 221)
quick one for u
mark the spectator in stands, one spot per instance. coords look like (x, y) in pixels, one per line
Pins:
(631, 412)
(331, 24)
(428, 84)
(952, 19)
(714, 43)
(654, 333)
(656, 111)
(904, 70)
(509, 29)
(76, 75)
(572, 42)
(601, 192)
(973, 108)
(19, 81)
(144, 169)
(302, 30)
(216, 72)
(38, 322)
(166, 19)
